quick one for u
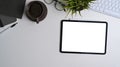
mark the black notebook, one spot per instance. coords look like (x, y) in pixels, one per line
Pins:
(5, 20)
(12, 8)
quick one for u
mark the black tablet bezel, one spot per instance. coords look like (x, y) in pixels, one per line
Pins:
(61, 30)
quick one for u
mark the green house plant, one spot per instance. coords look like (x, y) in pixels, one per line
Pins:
(74, 6)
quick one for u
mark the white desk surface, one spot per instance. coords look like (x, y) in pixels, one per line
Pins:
(37, 45)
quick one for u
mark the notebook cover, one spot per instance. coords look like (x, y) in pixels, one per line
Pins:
(5, 20)
(13, 8)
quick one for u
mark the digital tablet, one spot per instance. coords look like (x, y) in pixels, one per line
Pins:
(85, 37)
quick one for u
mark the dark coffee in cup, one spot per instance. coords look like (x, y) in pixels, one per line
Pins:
(36, 11)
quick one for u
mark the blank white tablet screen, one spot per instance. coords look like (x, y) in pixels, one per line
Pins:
(87, 37)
